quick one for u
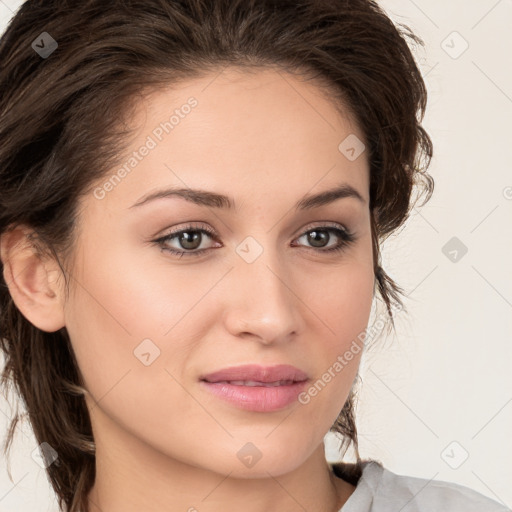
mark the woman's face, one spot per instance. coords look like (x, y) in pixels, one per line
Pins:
(257, 287)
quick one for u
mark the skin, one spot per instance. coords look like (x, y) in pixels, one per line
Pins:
(266, 139)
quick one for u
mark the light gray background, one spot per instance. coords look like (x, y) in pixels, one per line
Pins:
(441, 390)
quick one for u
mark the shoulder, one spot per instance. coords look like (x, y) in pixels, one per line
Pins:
(381, 490)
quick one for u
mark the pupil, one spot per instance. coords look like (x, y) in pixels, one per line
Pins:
(318, 236)
(186, 239)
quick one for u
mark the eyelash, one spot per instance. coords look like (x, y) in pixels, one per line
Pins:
(346, 237)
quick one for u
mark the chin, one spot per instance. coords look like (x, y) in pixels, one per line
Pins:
(250, 461)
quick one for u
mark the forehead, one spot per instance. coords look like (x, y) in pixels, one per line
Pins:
(267, 100)
(251, 132)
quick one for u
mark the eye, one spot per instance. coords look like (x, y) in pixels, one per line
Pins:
(190, 238)
(319, 237)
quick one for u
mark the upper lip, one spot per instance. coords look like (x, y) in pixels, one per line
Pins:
(257, 373)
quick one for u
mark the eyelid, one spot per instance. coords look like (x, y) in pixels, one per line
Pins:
(190, 226)
(324, 224)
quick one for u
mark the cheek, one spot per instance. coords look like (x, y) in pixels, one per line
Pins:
(117, 323)
(121, 310)
(343, 295)
(350, 319)
(342, 301)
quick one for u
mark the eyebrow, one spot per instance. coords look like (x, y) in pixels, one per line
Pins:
(214, 200)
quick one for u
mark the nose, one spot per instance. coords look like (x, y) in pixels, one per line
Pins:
(264, 302)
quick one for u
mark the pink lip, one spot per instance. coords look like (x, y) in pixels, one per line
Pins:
(257, 373)
(258, 398)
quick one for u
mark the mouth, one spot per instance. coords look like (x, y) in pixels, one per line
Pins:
(253, 383)
(256, 375)
(256, 388)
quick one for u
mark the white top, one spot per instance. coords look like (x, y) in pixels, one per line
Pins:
(381, 490)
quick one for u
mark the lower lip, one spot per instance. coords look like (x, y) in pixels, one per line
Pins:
(256, 398)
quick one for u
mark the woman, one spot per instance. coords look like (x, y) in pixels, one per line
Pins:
(192, 197)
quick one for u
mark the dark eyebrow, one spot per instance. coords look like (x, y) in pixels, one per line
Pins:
(328, 196)
(214, 200)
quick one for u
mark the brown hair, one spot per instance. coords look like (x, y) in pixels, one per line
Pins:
(62, 127)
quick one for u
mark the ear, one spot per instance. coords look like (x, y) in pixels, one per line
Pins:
(32, 279)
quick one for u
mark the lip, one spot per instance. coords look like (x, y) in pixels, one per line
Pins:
(257, 398)
(257, 373)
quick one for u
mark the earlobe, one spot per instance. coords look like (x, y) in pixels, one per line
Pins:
(32, 280)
